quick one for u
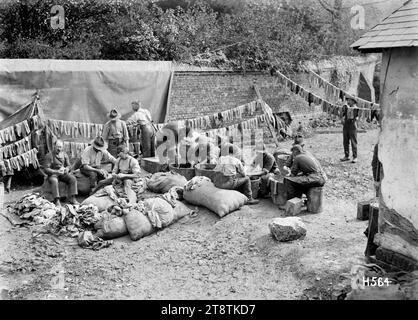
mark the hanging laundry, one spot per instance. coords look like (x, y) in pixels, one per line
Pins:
(18, 129)
(341, 93)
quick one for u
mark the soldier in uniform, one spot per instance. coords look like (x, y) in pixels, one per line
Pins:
(57, 167)
(115, 132)
(142, 117)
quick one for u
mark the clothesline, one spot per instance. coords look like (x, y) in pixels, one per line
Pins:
(15, 132)
(74, 149)
(22, 160)
(327, 106)
(339, 94)
(16, 148)
(74, 129)
(209, 121)
(238, 128)
(90, 130)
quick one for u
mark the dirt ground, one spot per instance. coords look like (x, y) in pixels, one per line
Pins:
(205, 257)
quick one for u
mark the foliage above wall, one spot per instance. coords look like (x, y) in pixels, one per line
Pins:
(246, 37)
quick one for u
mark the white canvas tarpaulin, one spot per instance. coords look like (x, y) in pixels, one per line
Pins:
(84, 90)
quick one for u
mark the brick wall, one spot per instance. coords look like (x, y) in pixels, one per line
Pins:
(200, 93)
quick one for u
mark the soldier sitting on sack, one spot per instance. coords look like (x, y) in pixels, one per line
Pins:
(91, 161)
(233, 176)
(126, 172)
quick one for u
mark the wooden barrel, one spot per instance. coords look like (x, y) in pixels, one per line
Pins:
(315, 197)
(255, 187)
(188, 173)
(205, 169)
(278, 191)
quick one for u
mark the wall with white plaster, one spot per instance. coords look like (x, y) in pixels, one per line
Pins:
(398, 143)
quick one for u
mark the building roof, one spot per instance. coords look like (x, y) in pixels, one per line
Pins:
(400, 29)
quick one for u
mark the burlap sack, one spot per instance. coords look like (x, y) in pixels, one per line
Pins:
(138, 224)
(161, 182)
(102, 203)
(83, 183)
(159, 212)
(181, 210)
(220, 201)
(112, 228)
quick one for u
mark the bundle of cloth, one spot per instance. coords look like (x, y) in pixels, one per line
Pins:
(110, 195)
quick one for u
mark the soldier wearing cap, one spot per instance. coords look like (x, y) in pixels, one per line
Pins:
(297, 142)
(267, 162)
(92, 158)
(115, 132)
(306, 172)
(349, 121)
(125, 172)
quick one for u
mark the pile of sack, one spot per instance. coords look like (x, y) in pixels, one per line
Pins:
(106, 215)
(143, 218)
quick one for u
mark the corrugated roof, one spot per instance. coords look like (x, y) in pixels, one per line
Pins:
(400, 29)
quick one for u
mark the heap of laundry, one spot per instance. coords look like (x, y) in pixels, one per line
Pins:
(68, 220)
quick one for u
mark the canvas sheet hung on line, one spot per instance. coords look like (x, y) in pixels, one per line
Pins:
(85, 91)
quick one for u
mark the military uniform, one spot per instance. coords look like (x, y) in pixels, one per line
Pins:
(115, 133)
(142, 117)
(54, 161)
(312, 176)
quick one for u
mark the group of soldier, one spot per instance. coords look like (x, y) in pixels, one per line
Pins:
(303, 169)
(112, 147)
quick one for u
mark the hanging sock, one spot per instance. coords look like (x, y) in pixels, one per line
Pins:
(310, 98)
(12, 135)
(18, 129)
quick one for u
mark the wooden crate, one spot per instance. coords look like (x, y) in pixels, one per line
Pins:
(363, 210)
(151, 165)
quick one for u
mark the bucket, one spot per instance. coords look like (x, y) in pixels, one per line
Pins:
(281, 162)
(206, 170)
(188, 173)
(255, 187)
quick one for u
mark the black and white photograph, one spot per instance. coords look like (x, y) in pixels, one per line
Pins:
(222, 151)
